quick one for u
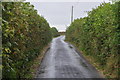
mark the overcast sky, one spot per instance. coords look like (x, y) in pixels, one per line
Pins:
(58, 14)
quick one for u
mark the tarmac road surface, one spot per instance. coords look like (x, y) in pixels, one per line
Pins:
(63, 61)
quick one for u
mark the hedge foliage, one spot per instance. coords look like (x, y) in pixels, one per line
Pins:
(24, 35)
(54, 32)
(98, 35)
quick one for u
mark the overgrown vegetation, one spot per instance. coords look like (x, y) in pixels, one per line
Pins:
(98, 35)
(54, 32)
(24, 35)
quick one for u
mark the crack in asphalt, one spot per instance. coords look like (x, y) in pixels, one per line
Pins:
(62, 61)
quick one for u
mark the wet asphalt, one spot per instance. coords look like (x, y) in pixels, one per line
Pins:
(63, 61)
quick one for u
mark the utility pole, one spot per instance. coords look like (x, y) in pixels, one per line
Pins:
(72, 15)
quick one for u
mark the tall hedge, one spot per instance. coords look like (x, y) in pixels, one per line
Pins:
(54, 32)
(24, 34)
(98, 35)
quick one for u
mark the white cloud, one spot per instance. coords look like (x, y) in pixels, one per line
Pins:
(67, 0)
(58, 14)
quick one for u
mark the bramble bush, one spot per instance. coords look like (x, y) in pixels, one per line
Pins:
(24, 35)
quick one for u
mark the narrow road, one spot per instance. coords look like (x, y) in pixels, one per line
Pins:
(62, 61)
